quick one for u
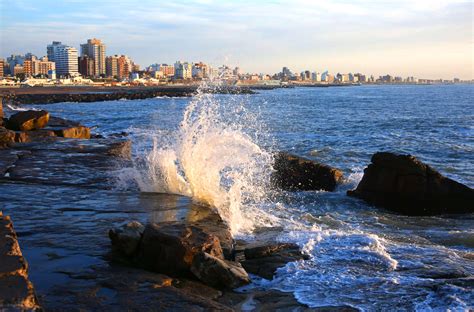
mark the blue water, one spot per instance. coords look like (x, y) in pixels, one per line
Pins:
(360, 256)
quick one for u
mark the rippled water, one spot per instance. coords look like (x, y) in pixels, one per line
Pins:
(360, 256)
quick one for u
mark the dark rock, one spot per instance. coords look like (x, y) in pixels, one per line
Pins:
(298, 173)
(264, 260)
(79, 132)
(7, 137)
(60, 122)
(127, 238)
(16, 291)
(404, 184)
(122, 149)
(33, 136)
(170, 248)
(218, 273)
(28, 120)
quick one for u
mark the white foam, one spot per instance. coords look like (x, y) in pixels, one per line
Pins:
(213, 157)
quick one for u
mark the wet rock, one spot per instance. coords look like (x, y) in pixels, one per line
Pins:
(7, 137)
(404, 184)
(79, 132)
(28, 120)
(217, 272)
(61, 122)
(122, 149)
(16, 291)
(170, 248)
(33, 136)
(297, 173)
(68, 129)
(127, 238)
(264, 260)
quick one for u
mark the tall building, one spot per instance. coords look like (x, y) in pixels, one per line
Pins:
(51, 50)
(124, 67)
(183, 70)
(111, 66)
(86, 66)
(95, 49)
(2, 65)
(65, 58)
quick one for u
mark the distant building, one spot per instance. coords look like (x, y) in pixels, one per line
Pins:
(111, 66)
(124, 67)
(86, 66)
(200, 70)
(183, 70)
(2, 65)
(286, 72)
(18, 70)
(52, 74)
(95, 49)
(65, 57)
(14, 60)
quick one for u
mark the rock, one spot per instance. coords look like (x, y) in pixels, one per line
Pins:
(217, 272)
(127, 238)
(79, 132)
(28, 120)
(60, 122)
(68, 129)
(170, 248)
(16, 291)
(33, 136)
(7, 137)
(404, 184)
(122, 149)
(264, 260)
(298, 173)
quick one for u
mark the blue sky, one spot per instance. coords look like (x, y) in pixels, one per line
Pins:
(425, 38)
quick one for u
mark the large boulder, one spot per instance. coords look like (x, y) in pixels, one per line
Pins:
(127, 238)
(217, 272)
(297, 173)
(404, 184)
(171, 248)
(28, 120)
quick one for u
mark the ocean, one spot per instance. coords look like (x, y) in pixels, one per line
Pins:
(217, 149)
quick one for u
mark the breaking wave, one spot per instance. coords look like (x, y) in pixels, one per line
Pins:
(213, 157)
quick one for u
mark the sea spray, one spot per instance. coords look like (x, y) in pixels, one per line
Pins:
(213, 157)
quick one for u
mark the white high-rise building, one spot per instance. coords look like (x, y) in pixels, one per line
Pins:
(65, 57)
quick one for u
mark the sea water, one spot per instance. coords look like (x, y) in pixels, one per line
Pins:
(217, 149)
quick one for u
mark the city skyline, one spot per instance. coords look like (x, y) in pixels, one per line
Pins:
(431, 39)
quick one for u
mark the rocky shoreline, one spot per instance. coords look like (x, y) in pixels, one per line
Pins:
(189, 263)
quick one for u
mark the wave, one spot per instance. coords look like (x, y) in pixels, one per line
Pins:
(214, 158)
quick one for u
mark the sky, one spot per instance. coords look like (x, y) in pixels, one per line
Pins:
(421, 38)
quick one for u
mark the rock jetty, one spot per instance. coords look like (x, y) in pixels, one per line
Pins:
(404, 184)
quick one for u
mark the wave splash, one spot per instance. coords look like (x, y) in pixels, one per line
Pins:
(214, 158)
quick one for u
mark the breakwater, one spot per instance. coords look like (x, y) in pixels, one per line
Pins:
(48, 95)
